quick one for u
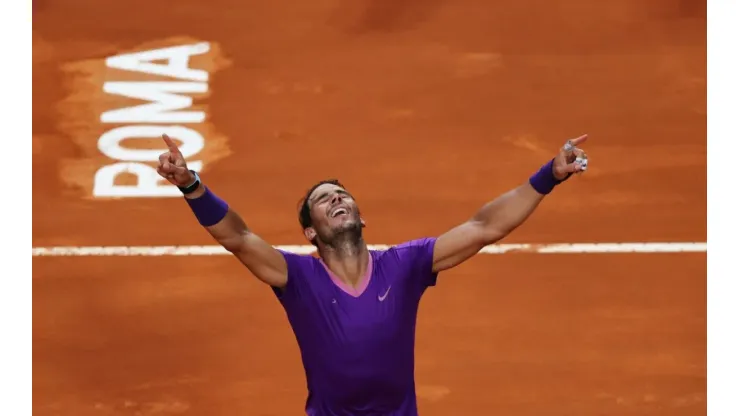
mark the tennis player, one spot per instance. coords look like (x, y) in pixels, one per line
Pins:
(353, 310)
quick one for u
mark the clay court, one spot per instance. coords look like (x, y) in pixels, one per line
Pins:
(425, 110)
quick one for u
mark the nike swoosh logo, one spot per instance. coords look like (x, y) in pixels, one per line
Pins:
(385, 295)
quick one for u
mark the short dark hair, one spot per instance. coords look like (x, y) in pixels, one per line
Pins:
(304, 214)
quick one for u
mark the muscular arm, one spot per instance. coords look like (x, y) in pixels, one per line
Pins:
(263, 260)
(225, 226)
(504, 214)
(492, 222)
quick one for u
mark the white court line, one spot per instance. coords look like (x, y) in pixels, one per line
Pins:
(216, 250)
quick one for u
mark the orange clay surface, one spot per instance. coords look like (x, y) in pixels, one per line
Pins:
(425, 110)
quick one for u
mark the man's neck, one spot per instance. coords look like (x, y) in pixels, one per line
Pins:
(348, 260)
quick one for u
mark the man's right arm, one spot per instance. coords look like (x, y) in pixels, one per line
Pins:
(262, 259)
(225, 225)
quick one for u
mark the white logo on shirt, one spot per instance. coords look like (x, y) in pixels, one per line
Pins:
(385, 295)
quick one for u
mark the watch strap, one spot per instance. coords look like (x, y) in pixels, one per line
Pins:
(193, 186)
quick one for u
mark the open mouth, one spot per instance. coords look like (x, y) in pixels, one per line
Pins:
(339, 211)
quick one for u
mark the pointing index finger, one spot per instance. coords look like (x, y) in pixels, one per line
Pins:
(579, 140)
(170, 144)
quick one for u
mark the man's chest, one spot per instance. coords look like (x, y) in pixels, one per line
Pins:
(385, 309)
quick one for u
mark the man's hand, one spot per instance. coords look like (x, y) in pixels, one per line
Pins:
(172, 165)
(571, 159)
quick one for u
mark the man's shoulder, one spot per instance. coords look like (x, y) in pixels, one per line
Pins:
(415, 244)
(301, 266)
(297, 258)
(414, 258)
(410, 249)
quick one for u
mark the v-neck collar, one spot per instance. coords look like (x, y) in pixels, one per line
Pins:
(364, 280)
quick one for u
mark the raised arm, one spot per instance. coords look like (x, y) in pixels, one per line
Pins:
(224, 225)
(498, 218)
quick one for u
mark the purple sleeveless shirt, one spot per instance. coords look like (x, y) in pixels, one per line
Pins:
(357, 346)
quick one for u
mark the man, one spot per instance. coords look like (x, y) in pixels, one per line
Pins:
(353, 311)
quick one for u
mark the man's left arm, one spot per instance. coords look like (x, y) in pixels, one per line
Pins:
(498, 218)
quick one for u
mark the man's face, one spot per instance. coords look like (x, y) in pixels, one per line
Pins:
(333, 212)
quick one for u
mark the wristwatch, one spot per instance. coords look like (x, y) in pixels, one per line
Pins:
(193, 186)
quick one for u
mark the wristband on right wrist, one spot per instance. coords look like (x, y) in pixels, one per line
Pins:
(208, 208)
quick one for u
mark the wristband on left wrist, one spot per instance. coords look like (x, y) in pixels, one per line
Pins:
(544, 181)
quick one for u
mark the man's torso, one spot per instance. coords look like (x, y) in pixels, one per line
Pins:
(357, 346)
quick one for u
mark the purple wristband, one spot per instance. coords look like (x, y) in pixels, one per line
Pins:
(544, 181)
(208, 208)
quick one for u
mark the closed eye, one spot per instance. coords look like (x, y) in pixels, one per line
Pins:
(325, 197)
(321, 198)
(344, 194)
